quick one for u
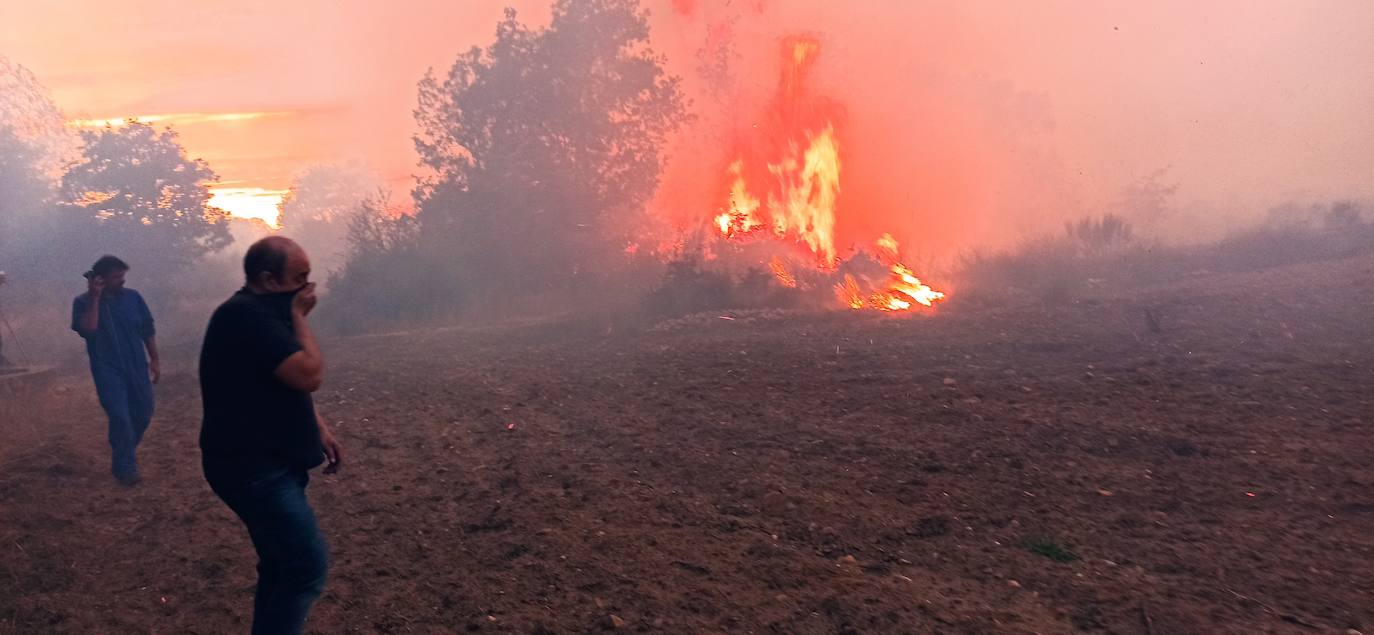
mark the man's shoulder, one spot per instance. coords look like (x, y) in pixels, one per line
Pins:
(134, 295)
(229, 307)
(239, 307)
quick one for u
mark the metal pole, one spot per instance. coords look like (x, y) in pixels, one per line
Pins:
(24, 355)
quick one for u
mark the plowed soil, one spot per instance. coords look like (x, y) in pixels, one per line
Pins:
(1013, 466)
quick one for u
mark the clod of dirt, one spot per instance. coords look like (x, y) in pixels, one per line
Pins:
(929, 527)
(1181, 447)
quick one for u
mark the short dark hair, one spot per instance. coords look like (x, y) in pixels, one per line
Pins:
(108, 265)
(268, 254)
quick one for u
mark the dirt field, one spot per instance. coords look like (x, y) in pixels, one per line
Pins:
(1010, 467)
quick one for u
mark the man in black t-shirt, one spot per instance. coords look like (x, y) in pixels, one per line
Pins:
(261, 433)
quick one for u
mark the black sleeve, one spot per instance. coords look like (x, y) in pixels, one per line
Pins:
(267, 341)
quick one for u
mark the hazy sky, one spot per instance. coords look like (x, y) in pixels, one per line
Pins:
(965, 120)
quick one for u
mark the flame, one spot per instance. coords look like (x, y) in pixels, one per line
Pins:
(780, 272)
(850, 294)
(806, 207)
(903, 288)
(805, 178)
(738, 218)
(785, 186)
(803, 51)
(888, 245)
(909, 285)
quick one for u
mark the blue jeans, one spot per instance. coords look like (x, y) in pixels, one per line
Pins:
(292, 557)
(128, 402)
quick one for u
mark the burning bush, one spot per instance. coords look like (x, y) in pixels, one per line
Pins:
(782, 189)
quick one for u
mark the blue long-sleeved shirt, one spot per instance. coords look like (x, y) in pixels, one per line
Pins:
(117, 344)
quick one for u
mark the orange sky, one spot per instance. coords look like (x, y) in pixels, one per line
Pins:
(331, 80)
(980, 118)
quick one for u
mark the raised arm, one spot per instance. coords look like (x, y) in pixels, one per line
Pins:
(304, 369)
(88, 321)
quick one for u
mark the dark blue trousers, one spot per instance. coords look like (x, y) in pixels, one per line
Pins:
(128, 402)
(292, 556)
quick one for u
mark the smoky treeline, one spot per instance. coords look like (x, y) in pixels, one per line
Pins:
(540, 155)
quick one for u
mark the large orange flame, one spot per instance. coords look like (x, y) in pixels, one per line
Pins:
(793, 198)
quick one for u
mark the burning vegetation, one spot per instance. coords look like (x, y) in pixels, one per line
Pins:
(784, 189)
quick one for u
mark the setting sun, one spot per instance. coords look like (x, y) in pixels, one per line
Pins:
(249, 202)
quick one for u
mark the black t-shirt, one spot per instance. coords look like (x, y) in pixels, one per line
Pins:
(253, 421)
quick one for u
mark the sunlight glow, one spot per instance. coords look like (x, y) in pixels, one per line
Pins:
(172, 118)
(249, 202)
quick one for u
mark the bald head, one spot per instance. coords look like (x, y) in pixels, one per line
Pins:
(275, 264)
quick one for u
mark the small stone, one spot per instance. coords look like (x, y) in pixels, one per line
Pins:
(949, 381)
(1013, 584)
(616, 621)
(848, 560)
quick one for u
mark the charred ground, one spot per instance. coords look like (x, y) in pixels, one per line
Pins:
(1029, 468)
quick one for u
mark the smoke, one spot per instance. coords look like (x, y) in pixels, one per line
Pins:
(968, 123)
(959, 125)
(981, 124)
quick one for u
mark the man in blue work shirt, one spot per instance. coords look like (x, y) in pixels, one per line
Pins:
(118, 329)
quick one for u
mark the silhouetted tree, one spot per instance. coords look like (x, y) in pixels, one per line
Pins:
(134, 191)
(545, 146)
(1149, 199)
(387, 277)
(33, 139)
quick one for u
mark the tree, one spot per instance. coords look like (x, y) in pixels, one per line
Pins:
(316, 211)
(134, 191)
(1149, 199)
(544, 147)
(22, 189)
(387, 278)
(33, 141)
